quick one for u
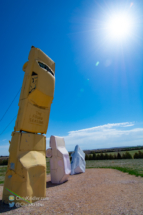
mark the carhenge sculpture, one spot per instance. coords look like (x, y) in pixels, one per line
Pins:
(60, 167)
(78, 161)
(26, 171)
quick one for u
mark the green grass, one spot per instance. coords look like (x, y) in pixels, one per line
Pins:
(3, 169)
(131, 166)
(48, 165)
(2, 173)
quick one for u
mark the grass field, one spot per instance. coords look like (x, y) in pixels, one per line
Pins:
(131, 166)
(48, 165)
(2, 173)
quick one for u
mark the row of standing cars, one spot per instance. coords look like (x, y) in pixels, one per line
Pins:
(60, 166)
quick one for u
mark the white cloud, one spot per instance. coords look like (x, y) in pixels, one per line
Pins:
(105, 136)
(102, 127)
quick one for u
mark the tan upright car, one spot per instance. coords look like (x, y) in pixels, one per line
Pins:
(26, 173)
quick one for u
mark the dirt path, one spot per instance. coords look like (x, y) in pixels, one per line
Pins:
(97, 191)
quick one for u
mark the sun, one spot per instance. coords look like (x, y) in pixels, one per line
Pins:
(119, 26)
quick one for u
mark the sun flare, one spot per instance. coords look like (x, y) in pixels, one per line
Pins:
(119, 26)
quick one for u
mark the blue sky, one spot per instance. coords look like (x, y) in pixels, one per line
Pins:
(98, 101)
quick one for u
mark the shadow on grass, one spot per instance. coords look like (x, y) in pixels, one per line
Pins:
(122, 169)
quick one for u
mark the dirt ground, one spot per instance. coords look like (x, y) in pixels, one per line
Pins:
(97, 191)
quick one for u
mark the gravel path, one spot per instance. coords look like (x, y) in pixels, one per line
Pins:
(97, 191)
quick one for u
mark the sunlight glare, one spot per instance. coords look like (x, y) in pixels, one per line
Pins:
(119, 26)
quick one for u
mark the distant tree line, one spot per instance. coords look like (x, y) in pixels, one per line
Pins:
(138, 154)
(101, 156)
(113, 150)
(106, 156)
(3, 162)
